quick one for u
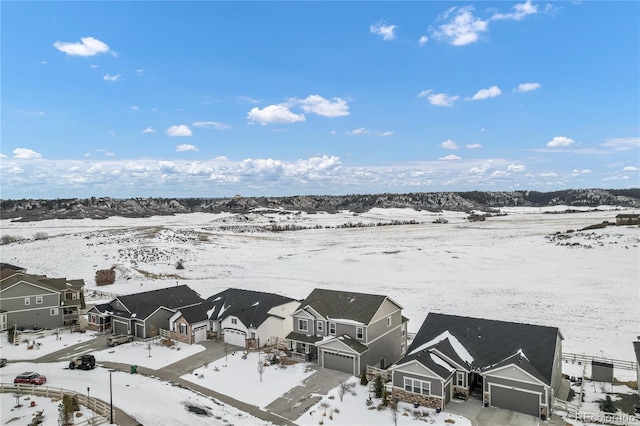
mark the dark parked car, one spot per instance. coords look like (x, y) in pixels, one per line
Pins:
(83, 362)
(3, 362)
(31, 378)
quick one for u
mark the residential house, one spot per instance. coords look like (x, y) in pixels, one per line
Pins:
(347, 331)
(142, 314)
(509, 365)
(628, 219)
(36, 301)
(250, 318)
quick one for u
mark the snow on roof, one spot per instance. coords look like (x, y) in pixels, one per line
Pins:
(521, 353)
(441, 362)
(346, 321)
(210, 311)
(256, 304)
(216, 299)
(224, 308)
(461, 351)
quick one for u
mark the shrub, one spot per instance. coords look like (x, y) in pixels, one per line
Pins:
(8, 239)
(105, 276)
(40, 236)
(179, 264)
(378, 386)
(607, 405)
(363, 378)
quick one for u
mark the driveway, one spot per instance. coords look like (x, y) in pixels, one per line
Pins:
(473, 410)
(299, 399)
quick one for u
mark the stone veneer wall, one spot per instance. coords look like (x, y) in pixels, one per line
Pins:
(413, 398)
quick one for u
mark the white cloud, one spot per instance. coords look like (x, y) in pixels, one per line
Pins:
(520, 12)
(515, 168)
(383, 134)
(44, 62)
(180, 130)
(438, 99)
(622, 144)
(186, 147)
(491, 92)
(387, 32)
(25, 153)
(560, 141)
(3, 156)
(462, 29)
(473, 146)
(140, 71)
(423, 40)
(88, 46)
(577, 172)
(16, 170)
(112, 132)
(498, 174)
(548, 174)
(528, 87)
(109, 77)
(450, 157)
(93, 66)
(211, 125)
(274, 114)
(247, 100)
(448, 144)
(149, 130)
(630, 169)
(318, 105)
(360, 131)
(135, 108)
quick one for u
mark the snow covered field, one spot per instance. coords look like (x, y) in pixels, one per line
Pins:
(508, 267)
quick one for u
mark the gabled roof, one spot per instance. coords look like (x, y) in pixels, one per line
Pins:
(337, 305)
(38, 280)
(348, 341)
(250, 307)
(196, 313)
(141, 305)
(4, 266)
(299, 337)
(487, 344)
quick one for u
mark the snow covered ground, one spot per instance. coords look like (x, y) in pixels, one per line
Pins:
(511, 267)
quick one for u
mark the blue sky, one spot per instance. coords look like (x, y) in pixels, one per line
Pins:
(213, 99)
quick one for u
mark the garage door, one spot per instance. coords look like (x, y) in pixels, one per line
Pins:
(120, 327)
(514, 400)
(339, 362)
(235, 337)
(200, 334)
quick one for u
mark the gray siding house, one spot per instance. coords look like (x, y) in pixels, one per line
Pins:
(347, 331)
(142, 314)
(509, 365)
(35, 301)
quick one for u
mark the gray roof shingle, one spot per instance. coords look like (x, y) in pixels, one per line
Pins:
(250, 307)
(334, 304)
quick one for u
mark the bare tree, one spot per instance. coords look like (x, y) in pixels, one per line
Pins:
(394, 413)
(260, 368)
(342, 388)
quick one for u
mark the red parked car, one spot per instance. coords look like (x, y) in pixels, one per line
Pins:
(31, 378)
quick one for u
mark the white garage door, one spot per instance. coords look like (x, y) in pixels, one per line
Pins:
(235, 337)
(200, 334)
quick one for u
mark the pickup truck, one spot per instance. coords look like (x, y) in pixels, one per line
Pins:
(117, 339)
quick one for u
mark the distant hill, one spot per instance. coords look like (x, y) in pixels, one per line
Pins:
(100, 208)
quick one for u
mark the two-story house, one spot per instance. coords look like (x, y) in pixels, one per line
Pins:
(347, 331)
(35, 301)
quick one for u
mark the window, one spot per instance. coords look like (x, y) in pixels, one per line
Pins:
(402, 348)
(332, 328)
(27, 301)
(92, 319)
(38, 300)
(320, 326)
(389, 321)
(183, 328)
(253, 335)
(460, 378)
(54, 311)
(417, 386)
(234, 321)
(303, 325)
(404, 330)
(304, 348)
(360, 333)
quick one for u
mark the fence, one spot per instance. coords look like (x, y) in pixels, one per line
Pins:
(617, 363)
(101, 408)
(18, 335)
(372, 372)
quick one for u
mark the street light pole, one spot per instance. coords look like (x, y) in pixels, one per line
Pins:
(110, 397)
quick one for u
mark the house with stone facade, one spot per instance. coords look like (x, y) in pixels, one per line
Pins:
(347, 331)
(508, 365)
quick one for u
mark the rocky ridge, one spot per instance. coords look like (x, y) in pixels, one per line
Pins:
(100, 208)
